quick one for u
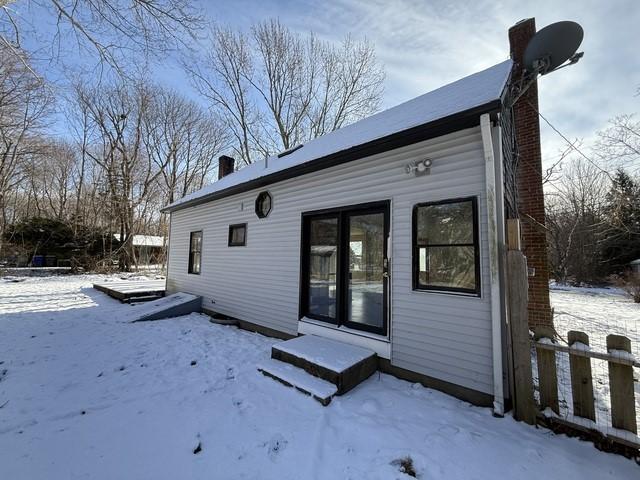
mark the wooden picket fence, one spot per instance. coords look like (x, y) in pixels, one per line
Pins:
(621, 362)
(618, 357)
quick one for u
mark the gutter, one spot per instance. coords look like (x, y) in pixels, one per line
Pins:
(494, 265)
(458, 121)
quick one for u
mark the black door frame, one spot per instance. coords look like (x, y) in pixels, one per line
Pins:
(342, 214)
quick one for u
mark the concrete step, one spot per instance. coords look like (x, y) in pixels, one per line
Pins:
(339, 363)
(300, 380)
(174, 305)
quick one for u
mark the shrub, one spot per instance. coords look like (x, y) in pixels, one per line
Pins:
(630, 283)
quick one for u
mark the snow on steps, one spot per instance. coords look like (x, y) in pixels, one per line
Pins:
(174, 305)
(337, 363)
(324, 352)
(297, 378)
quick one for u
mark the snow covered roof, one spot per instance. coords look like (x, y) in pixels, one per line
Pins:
(480, 89)
(635, 262)
(144, 240)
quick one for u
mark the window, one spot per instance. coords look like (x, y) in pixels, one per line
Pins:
(445, 246)
(238, 235)
(195, 252)
(263, 204)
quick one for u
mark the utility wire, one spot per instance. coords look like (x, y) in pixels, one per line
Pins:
(571, 144)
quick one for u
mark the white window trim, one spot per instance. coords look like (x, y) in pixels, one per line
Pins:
(376, 343)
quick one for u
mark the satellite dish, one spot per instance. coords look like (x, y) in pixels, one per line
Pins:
(552, 46)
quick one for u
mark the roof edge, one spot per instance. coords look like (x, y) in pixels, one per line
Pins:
(458, 121)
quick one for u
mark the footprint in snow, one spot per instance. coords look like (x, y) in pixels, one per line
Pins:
(448, 430)
(241, 404)
(534, 453)
(276, 445)
(198, 449)
(370, 406)
(231, 373)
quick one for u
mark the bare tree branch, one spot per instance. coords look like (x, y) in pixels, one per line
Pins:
(277, 88)
(116, 30)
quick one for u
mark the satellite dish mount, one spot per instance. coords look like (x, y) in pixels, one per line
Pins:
(550, 49)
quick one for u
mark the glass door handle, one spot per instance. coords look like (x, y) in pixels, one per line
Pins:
(385, 274)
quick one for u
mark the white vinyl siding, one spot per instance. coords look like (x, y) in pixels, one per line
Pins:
(446, 336)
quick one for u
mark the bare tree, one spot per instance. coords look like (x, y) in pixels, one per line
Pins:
(620, 142)
(287, 80)
(50, 175)
(277, 88)
(24, 105)
(574, 206)
(78, 120)
(183, 141)
(350, 87)
(116, 30)
(137, 148)
(221, 77)
(119, 114)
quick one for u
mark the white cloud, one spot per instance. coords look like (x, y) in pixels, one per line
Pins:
(427, 44)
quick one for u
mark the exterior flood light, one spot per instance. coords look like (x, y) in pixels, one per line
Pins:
(419, 167)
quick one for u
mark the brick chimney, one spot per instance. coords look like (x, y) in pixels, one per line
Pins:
(225, 166)
(529, 181)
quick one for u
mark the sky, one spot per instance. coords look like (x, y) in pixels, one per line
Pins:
(426, 44)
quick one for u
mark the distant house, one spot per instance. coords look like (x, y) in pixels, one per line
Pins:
(149, 249)
(385, 234)
(635, 266)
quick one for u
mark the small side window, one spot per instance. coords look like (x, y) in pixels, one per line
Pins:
(445, 246)
(195, 252)
(238, 235)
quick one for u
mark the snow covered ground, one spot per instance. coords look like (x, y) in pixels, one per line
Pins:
(598, 312)
(83, 394)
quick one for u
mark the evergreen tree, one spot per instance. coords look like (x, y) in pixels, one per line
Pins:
(621, 235)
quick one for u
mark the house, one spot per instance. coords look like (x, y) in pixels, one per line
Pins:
(635, 266)
(385, 234)
(149, 249)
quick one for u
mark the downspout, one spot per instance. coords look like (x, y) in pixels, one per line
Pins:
(494, 267)
(168, 250)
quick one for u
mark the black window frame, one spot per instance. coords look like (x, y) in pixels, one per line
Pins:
(415, 248)
(190, 268)
(258, 201)
(230, 242)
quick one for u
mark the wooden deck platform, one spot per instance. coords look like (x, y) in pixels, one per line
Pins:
(133, 290)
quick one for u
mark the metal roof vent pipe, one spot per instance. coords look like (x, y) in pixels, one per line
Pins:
(225, 166)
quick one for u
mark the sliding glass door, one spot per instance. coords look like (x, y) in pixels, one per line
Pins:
(345, 276)
(322, 268)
